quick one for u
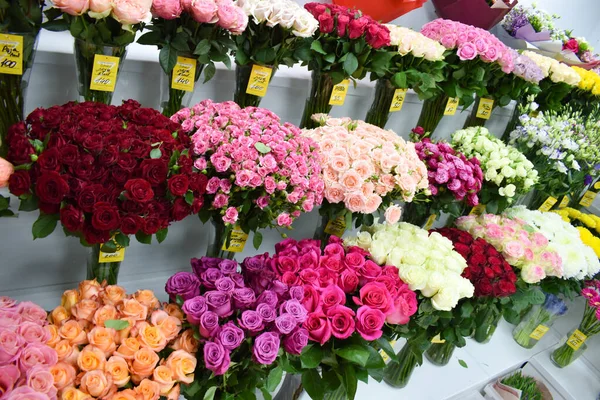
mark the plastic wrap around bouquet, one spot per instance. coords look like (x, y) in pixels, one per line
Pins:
(383, 10)
(484, 14)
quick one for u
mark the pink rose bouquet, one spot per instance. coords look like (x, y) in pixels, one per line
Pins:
(26, 357)
(198, 30)
(353, 305)
(346, 47)
(365, 168)
(244, 321)
(261, 173)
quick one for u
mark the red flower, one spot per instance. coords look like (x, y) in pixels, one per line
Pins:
(571, 45)
(342, 24)
(139, 190)
(378, 35)
(357, 27)
(51, 187)
(178, 185)
(105, 217)
(154, 171)
(181, 209)
(19, 183)
(325, 22)
(49, 160)
(71, 218)
(151, 225)
(131, 224)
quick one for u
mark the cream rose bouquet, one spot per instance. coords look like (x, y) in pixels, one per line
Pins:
(365, 168)
(507, 172)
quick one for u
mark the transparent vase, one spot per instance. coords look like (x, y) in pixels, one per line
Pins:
(318, 100)
(416, 214)
(173, 100)
(379, 112)
(569, 350)
(398, 373)
(432, 112)
(101, 271)
(440, 353)
(242, 78)
(219, 239)
(538, 321)
(85, 53)
(486, 323)
(472, 119)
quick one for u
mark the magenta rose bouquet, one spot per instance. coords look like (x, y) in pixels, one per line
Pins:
(243, 325)
(261, 172)
(197, 30)
(352, 304)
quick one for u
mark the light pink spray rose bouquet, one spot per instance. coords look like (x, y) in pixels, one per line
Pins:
(365, 168)
(262, 173)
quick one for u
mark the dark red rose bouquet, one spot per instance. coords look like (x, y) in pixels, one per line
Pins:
(105, 172)
(352, 303)
(493, 279)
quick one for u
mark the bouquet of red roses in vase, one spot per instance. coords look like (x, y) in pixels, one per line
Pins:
(261, 173)
(105, 173)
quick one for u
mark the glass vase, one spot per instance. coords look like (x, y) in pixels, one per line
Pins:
(537, 199)
(416, 214)
(215, 246)
(432, 112)
(486, 323)
(13, 89)
(85, 53)
(440, 353)
(398, 373)
(379, 112)
(538, 321)
(242, 78)
(318, 100)
(173, 100)
(472, 119)
(566, 354)
(101, 271)
(337, 394)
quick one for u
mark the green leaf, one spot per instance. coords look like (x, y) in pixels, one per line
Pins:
(399, 80)
(265, 56)
(261, 147)
(29, 204)
(350, 381)
(311, 356)
(167, 58)
(312, 383)
(151, 38)
(155, 153)
(109, 247)
(330, 58)
(209, 72)
(241, 58)
(122, 239)
(210, 393)
(466, 310)
(143, 238)
(387, 348)
(375, 360)
(162, 235)
(257, 240)
(179, 300)
(362, 375)
(203, 47)
(116, 324)
(266, 394)
(350, 63)
(274, 378)
(56, 26)
(463, 363)
(316, 46)
(355, 353)
(189, 197)
(44, 225)
(459, 74)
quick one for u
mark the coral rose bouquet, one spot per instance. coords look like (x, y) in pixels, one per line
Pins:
(429, 264)
(6, 170)
(192, 36)
(248, 323)
(27, 358)
(508, 173)
(353, 308)
(261, 173)
(474, 57)
(365, 168)
(412, 61)
(346, 47)
(112, 345)
(102, 30)
(277, 30)
(105, 173)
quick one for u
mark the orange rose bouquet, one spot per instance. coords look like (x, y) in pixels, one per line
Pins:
(111, 345)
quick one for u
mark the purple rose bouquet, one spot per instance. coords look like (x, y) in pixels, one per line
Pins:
(242, 322)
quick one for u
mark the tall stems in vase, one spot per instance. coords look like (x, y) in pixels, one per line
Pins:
(101, 270)
(398, 373)
(242, 79)
(172, 100)
(440, 353)
(222, 235)
(379, 112)
(473, 119)
(432, 112)
(318, 100)
(538, 320)
(486, 323)
(512, 122)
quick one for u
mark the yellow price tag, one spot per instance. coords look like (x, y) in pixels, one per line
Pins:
(337, 227)
(259, 80)
(485, 108)
(451, 106)
(478, 209)
(237, 240)
(588, 198)
(184, 74)
(437, 339)
(564, 202)
(398, 100)
(539, 332)
(576, 339)
(384, 355)
(339, 92)
(550, 201)
(430, 222)
(104, 73)
(11, 54)
(597, 185)
(117, 256)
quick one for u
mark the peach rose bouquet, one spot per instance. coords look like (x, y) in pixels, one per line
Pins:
(112, 345)
(365, 168)
(6, 170)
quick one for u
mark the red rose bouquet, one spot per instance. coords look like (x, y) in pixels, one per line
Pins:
(493, 279)
(104, 172)
(352, 304)
(343, 49)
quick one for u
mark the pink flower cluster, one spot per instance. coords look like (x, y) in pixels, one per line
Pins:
(225, 13)
(253, 162)
(470, 42)
(362, 164)
(344, 291)
(520, 245)
(25, 357)
(449, 170)
(591, 292)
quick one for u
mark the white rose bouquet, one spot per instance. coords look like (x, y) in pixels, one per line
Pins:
(507, 172)
(275, 31)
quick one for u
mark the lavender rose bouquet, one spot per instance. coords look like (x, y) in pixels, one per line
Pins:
(242, 321)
